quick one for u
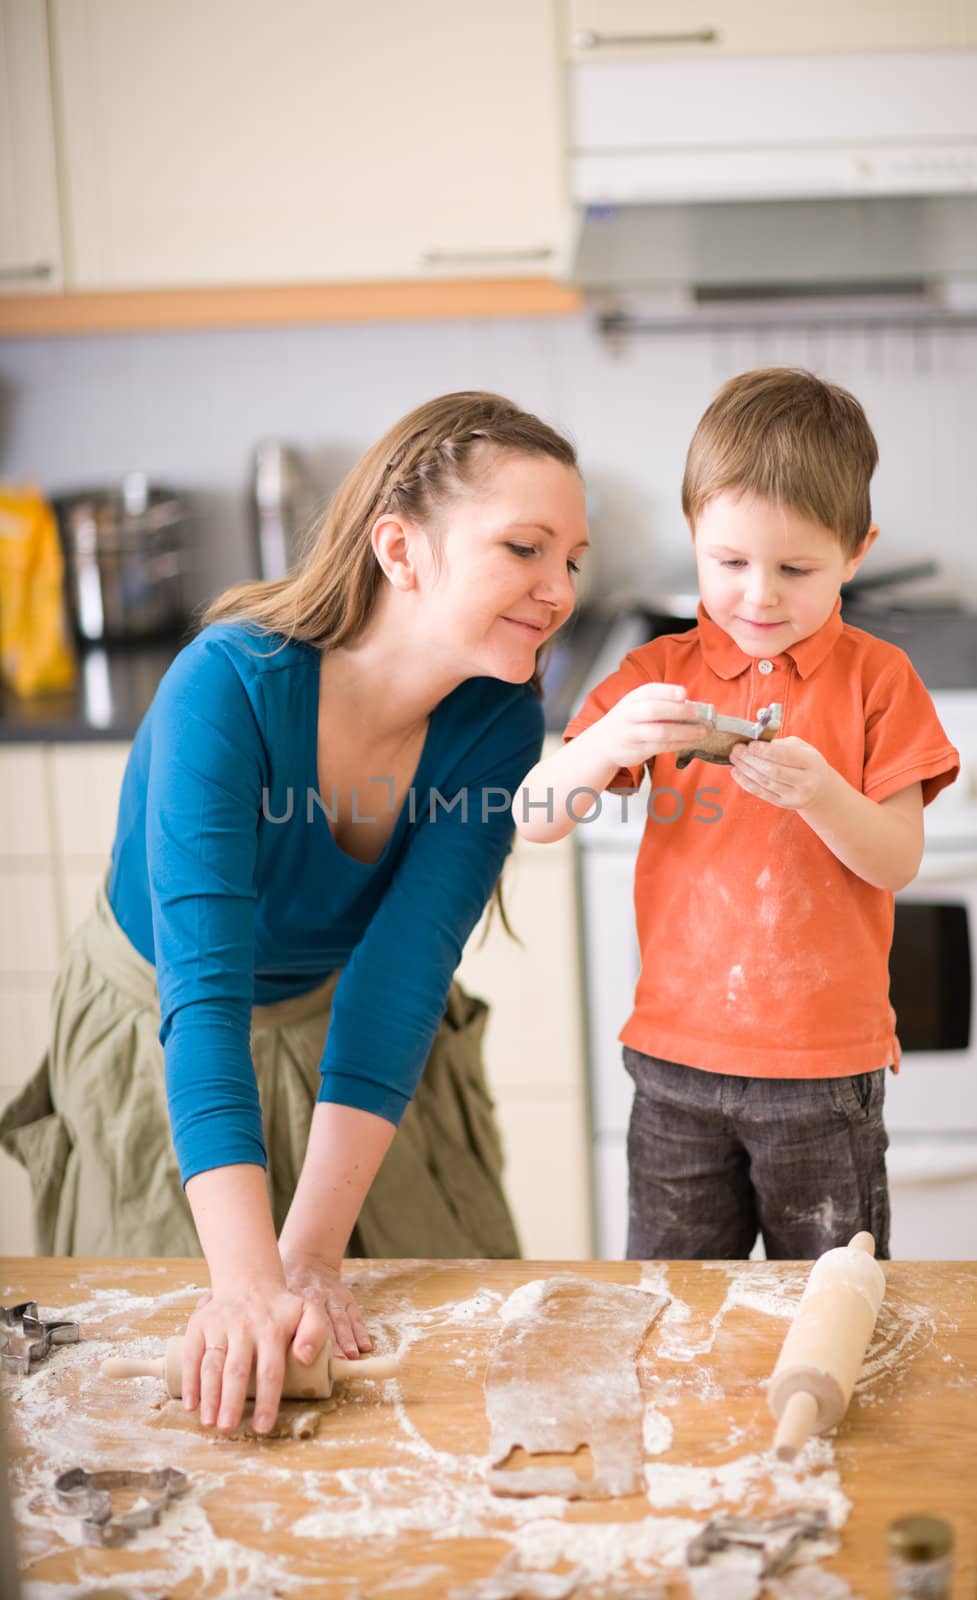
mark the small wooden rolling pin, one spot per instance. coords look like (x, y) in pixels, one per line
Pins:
(312, 1382)
(823, 1351)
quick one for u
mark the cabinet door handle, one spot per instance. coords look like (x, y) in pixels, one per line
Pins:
(39, 269)
(586, 39)
(446, 258)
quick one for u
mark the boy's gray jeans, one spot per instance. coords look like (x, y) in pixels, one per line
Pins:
(714, 1160)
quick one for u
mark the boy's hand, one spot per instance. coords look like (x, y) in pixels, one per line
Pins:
(787, 772)
(645, 723)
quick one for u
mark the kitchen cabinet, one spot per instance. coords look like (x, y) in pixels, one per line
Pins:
(241, 143)
(58, 807)
(534, 1048)
(30, 234)
(606, 29)
(57, 816)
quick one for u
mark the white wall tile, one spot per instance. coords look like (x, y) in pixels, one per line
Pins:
(16, 1212)
(24, 1027)
(30, 938)
(86, 780)
(24, 823)
(78, 886)
(547, 1177)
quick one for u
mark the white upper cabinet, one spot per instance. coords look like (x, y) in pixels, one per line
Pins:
(30, 235)
(238, 141)
(604, 29)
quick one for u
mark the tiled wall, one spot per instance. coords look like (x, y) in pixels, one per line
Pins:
(188, 407)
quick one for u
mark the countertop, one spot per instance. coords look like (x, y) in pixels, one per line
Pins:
(115, 686)
(112, 693)
(390, 1497)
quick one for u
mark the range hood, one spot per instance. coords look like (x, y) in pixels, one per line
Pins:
(778, 174)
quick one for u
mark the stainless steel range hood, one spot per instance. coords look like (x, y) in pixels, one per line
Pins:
(787, 174)
(911, 245)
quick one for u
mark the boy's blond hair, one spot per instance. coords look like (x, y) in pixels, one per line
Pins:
(784, 435)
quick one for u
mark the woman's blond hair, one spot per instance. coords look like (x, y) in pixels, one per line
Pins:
(782, 434)
(421, 464)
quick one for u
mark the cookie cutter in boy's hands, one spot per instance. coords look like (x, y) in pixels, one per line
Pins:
(723, 732)
(88, 1495)
(26, 1338)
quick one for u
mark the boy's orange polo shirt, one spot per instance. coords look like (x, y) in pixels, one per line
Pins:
(761, 955)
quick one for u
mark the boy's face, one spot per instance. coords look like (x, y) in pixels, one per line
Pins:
(768, 576)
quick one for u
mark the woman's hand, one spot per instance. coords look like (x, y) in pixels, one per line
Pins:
(240, 1327)
(647, 722)
(318, 1283)
(789, 773)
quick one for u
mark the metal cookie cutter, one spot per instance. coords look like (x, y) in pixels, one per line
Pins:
(26, 1338)
(775, 1540)
(724, 732)
(88, 1495)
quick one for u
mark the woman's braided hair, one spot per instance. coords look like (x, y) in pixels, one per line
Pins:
(437, 453)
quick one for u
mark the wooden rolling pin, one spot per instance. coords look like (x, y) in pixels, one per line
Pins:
(312, 1382)
(823, 1351)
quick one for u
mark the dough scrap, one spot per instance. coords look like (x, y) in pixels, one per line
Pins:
(510, 1581)
(562, 1376)
(295, 1420)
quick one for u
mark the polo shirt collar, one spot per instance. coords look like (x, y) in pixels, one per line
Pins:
(727, 660)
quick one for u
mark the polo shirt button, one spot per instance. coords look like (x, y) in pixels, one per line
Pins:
(764, 667)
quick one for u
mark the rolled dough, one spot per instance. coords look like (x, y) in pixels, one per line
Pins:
(562, 1376)
(296, 1420)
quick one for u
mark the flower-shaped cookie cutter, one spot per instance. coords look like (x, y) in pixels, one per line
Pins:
(26, 1338)
(88, 1495)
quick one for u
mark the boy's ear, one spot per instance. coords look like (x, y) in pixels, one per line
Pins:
(855, 561)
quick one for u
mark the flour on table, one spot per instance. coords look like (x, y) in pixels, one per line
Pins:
(433, 1494)
(808, 1583)
(657, 1432)
(523, 1302)
(605, 1549)
(511, 1581)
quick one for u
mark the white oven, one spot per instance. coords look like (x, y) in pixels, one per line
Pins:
(931, 1104)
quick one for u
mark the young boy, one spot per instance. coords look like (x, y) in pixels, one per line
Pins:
(762, 1027)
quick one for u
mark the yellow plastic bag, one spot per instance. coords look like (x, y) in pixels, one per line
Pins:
(34, 653)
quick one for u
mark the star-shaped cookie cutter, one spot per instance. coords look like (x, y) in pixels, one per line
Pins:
(775, 1540)
(88, 1495)
(26, 1338)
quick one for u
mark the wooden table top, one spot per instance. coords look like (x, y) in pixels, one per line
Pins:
(390, 1498)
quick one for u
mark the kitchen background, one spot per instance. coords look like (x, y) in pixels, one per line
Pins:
(188, 408)
(155, 200)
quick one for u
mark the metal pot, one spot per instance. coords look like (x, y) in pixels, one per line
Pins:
(126, 553)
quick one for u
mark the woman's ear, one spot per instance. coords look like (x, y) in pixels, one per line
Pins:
(855, 561)
(393, 547)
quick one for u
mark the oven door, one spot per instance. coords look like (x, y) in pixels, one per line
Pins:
(933, 990)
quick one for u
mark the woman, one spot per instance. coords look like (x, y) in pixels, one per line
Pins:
(314, 813)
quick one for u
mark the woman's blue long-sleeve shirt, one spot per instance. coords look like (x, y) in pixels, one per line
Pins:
(225, 876)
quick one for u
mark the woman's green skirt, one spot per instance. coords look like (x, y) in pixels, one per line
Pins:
(92, 1128)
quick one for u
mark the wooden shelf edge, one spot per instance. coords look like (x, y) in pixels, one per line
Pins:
(145, 310)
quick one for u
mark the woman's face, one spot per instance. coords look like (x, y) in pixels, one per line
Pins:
(502, 581)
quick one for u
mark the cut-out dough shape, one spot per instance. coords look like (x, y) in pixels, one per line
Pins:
(563, 1375)
(294, 1421)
